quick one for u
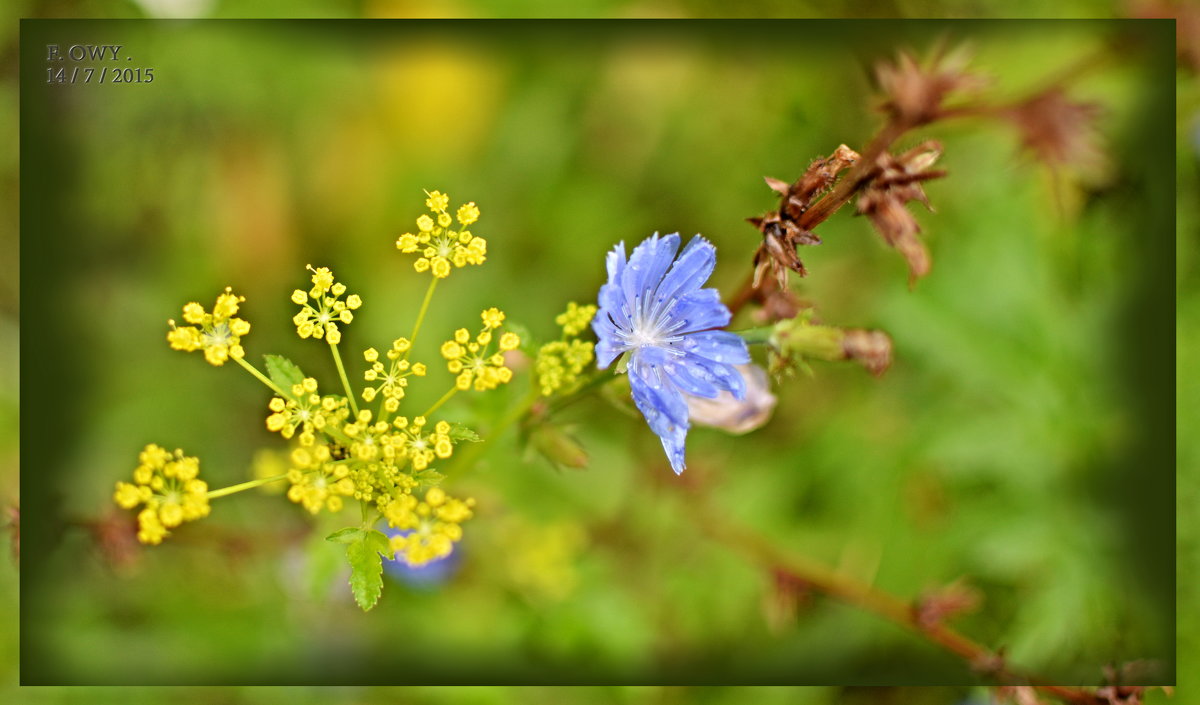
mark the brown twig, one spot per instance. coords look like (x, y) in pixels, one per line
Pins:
(899, 122)
(841, 587)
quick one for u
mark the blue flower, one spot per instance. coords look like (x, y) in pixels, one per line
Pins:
(653, 308)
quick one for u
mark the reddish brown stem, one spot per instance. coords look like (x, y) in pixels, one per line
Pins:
(846, 589)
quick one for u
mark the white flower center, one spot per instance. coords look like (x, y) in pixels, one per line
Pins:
(219, 335)
(651, 324)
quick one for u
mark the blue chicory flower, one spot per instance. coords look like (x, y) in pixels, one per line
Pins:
(653, 308)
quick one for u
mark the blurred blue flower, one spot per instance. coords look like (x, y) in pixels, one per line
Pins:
(653, 307)
(427, 575)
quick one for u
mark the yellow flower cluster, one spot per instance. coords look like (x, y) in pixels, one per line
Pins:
(367, 440)
(575, 319)
(560, 363)
(307, 411)
(379, 482)
(169, 487)
(218, 334)
(440, 246)
(323, 308)
(390, 380)
(317, 481)
(472, 361)
(432, 525)
(420, 447)
(338, 450)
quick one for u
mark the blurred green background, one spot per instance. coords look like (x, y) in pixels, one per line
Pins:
(999, 448)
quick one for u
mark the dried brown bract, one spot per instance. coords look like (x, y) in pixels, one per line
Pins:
(1059, 131)
(870, 348)
(775, 304)
(781, 229)
(115, 535)
(1018, 695)
(946, 602)
(914, 93)
(883, 200)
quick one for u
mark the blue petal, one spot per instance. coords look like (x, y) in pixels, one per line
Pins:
(647, 265)
(659, 406)
(690, 271)
(645, 370)
(681, 370)
(608, 345)
(615, 262)
(716, 345)
(613, 306)
(721, 376)
(700, 310)
(673, 444)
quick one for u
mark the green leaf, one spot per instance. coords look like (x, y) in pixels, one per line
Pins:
(283, 372)
(428, 478)
(460, 433)
(366, 567)
(349, 534)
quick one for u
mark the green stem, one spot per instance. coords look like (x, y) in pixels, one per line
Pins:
(337, 359)
(756, 336)
(439, 402)
(412, 339)
(262, 378)
(245, 486)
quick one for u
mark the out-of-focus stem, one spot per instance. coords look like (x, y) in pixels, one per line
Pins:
(337, 359)
(245, 486)
(437, 404)
(412, 339)
(846, 589)
(262, 378)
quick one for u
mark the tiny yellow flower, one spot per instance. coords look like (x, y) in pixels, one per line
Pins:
(432, 525)
(419, 447)
(441, 248)
(575, 319)
(561, 364)
(437, 202)
(492, 318)
(218, 333)
(168, 486)
(317, 481)
(322, 308)
(467, 213)
(471, 360)
(391, 380)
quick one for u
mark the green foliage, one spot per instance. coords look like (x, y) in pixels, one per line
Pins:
(363, 550)
(983, 453)
(460, 433)
(283, 372)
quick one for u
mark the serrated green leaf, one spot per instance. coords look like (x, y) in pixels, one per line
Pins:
(460, 433)
(366, 567)
(283, 372)
(346, 535)
(428, 478)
